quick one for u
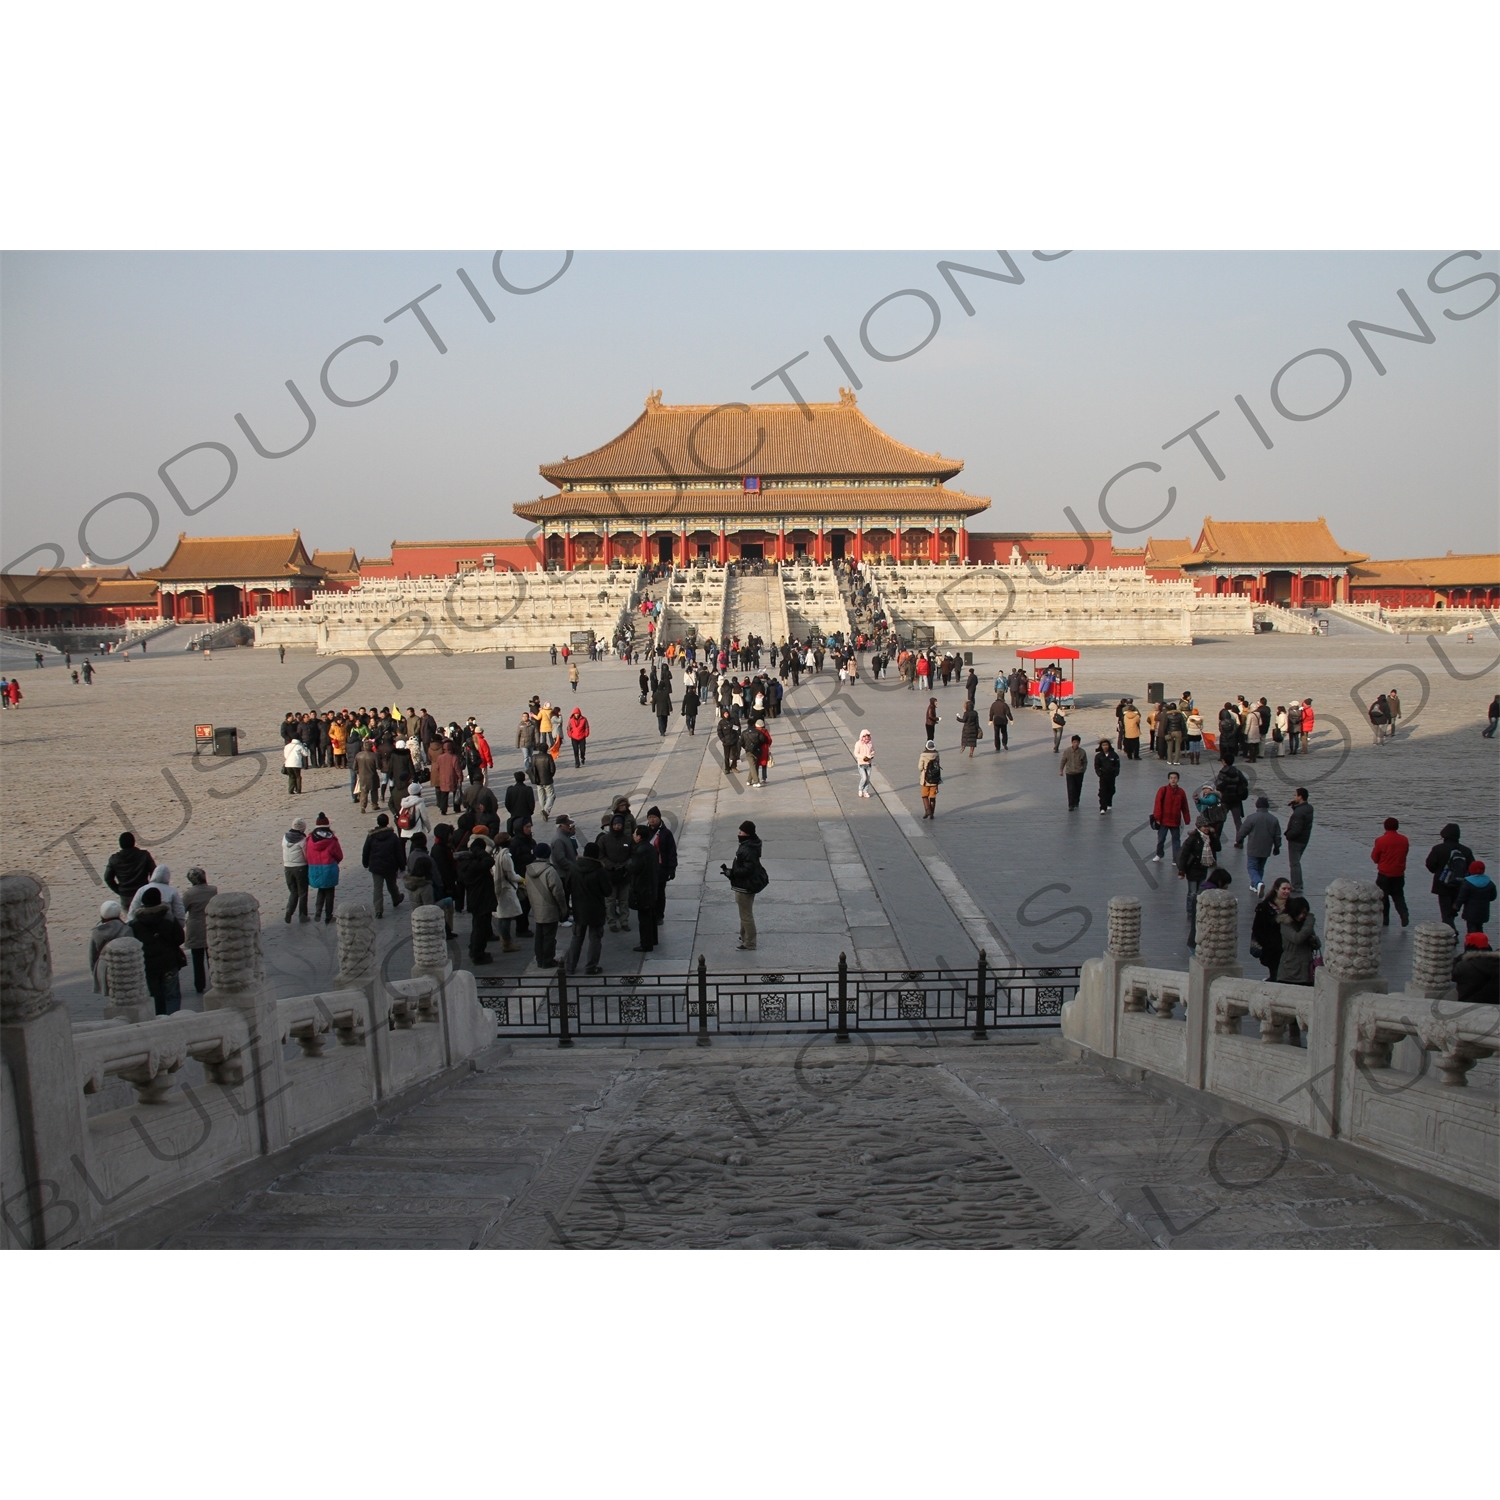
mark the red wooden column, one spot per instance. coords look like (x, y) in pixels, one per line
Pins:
(1296, 591)
(569, 556)
(723, 546)
(604, 553)
(859, 543)
(896, 543)
(963, 544)
(818, 546)
(934, 544)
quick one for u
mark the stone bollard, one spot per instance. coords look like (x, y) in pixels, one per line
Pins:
(359, 969)
(1351, 937)
(1431, 960)
(42, 1209)
(1216, 957)
(1351, 966)
(429, 944)
(125, 979)
(1124, 927)
(358, 951)
(1218, 930)
(237, 962)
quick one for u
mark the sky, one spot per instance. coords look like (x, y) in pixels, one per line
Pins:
(112, 363)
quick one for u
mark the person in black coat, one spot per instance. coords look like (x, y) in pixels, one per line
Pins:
(666, 855)
(161, 937)
(476, 873)
(384, 857)
(1194, 860)
(520, 802)
(690, 708)
(1265, 930)
(1233, 787)
(644, 872)
(729, 738)
(1439, 857)
(589, 888)
(128, 870)
(1107, 769)
(661, 706)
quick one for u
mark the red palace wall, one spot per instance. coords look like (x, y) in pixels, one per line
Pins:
(1054, 549)
(442, 559)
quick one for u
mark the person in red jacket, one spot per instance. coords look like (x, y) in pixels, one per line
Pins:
(1308, 720)
(1169, 814)
(486, 755)
(578, 736)
(1389, 855)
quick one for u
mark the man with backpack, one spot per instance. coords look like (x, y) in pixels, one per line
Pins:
(747, 878)
(929, 778)
(1233, 787)
(1448, 863)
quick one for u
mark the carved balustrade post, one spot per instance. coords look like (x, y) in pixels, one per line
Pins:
(1217, 956)
(237, 963)
(1351, 966)
(46, 1207)
(359, 969)
(125, 979)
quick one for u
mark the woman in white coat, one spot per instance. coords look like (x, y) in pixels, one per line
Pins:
(864, 758)
(507, 894)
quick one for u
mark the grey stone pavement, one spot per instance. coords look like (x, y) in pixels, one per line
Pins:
(1005, 1143)
(775, 1144)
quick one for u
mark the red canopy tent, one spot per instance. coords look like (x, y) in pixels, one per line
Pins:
(1049, 656)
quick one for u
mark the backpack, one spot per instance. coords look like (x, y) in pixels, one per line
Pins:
(757, 880)
(1456, 869)
(406, 819)
(933, 775)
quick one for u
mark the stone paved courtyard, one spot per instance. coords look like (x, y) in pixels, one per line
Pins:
(782, 1144)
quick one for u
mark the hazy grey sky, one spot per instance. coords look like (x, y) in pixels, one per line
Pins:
(113, 363)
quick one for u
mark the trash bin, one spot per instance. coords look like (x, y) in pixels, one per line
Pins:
(968, 658)
(510, 663)
(226, 742)
(1154, 693)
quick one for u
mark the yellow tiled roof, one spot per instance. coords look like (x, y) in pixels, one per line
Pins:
(204, 558)
(1268, 544)
(773, 439)
(1466, 570)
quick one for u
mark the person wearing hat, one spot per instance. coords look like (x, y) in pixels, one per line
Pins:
(1474, 903)
(747, 878)
(564, 843)
(1297, 833)
(1476, 972)
(1260, 838)
(195, 901)
(549, 902)
(294, 867)
(475, 863)
(929, 778)
(160, 935)
(324, 855)
(1107, 769)
(111, 926)
(589, 890)
(1389, 855)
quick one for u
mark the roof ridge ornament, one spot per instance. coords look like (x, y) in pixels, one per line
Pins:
(847, 396)
(653, 401)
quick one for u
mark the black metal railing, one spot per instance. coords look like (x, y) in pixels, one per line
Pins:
(842, 1000)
